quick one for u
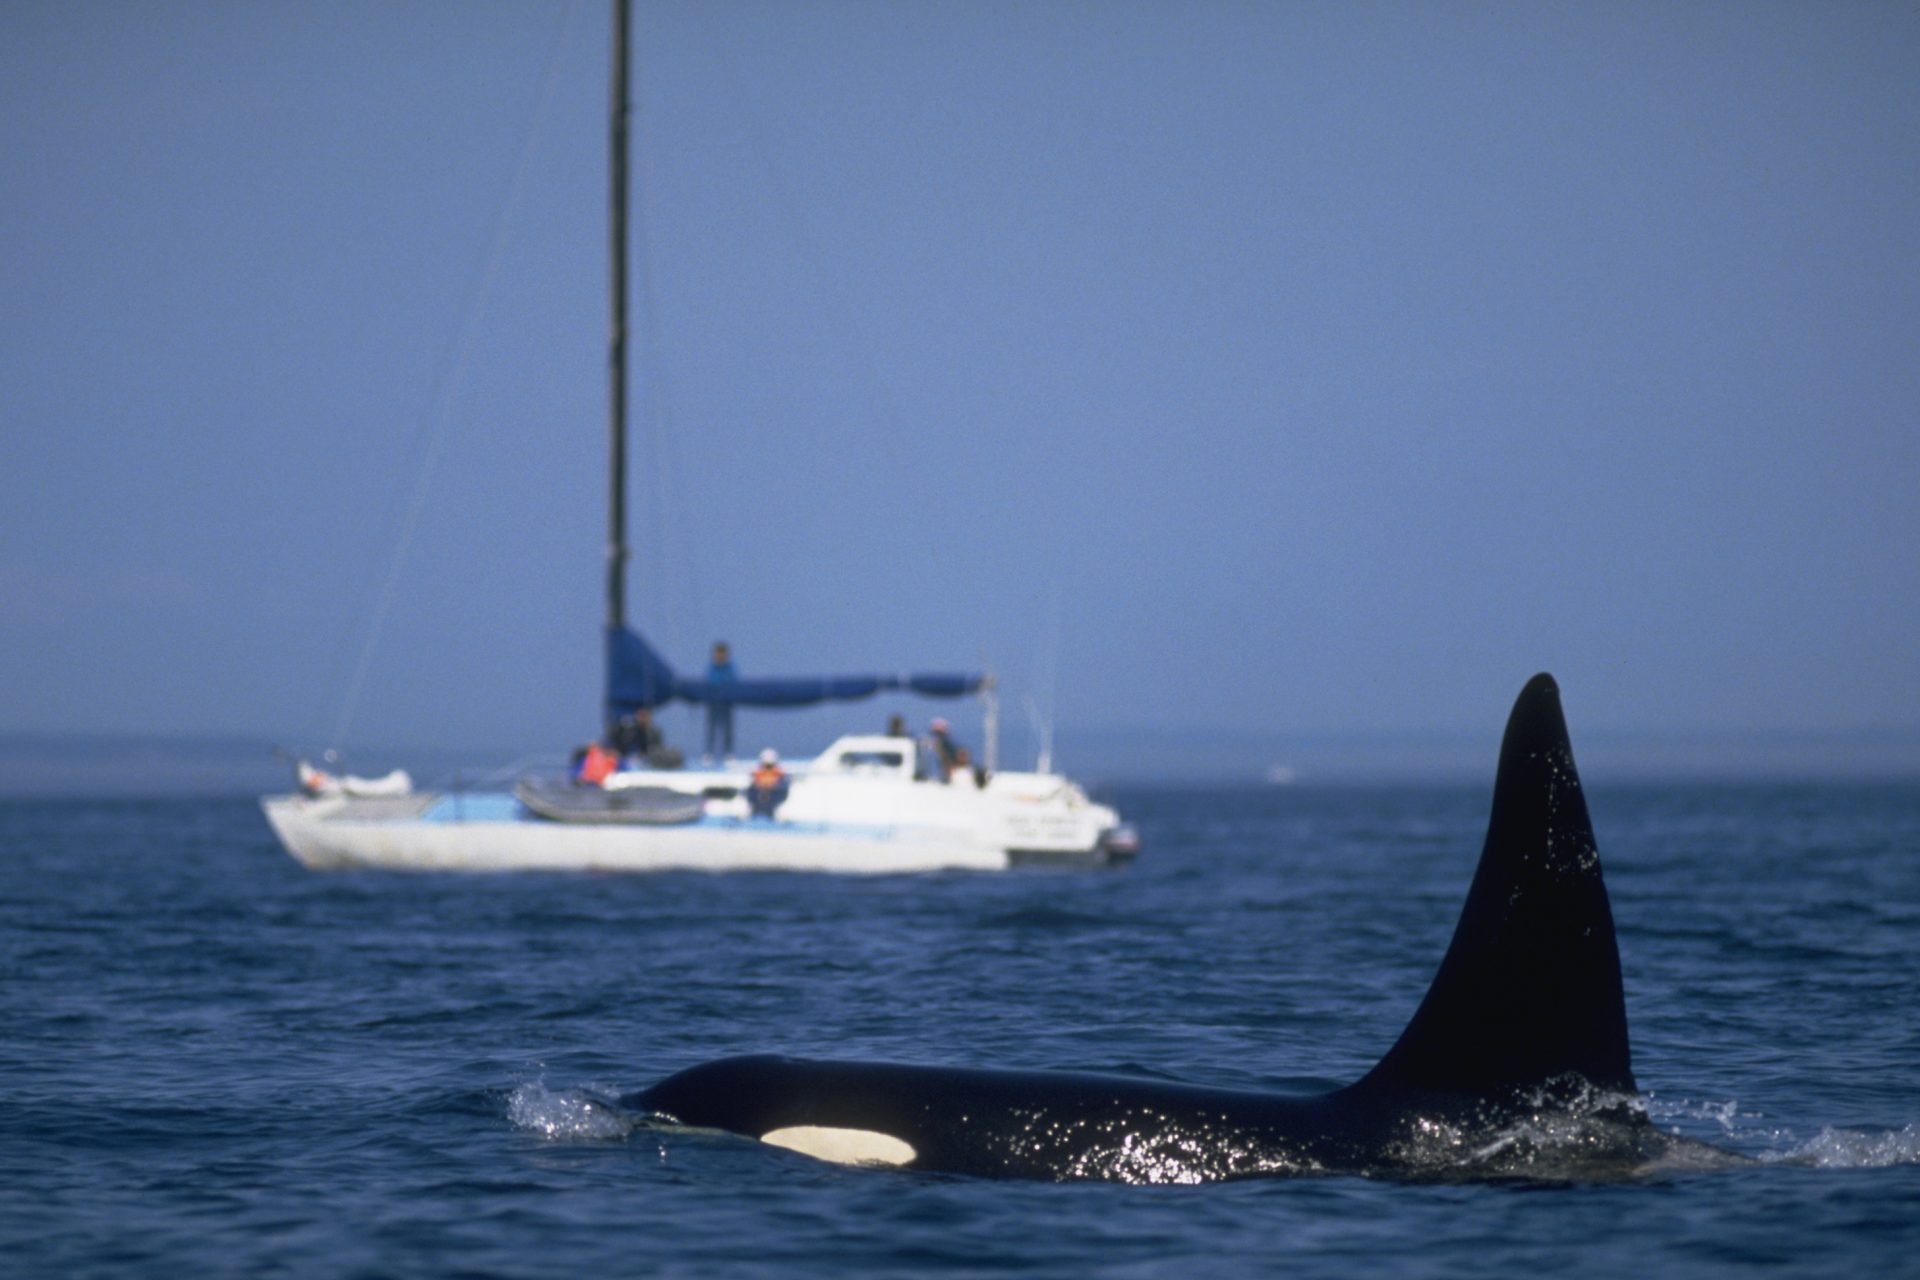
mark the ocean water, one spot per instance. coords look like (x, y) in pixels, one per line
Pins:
(213, 1062)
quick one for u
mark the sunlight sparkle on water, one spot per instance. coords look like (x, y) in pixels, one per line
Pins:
(569, 1115)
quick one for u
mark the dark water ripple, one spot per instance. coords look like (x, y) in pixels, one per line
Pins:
(215, 1063)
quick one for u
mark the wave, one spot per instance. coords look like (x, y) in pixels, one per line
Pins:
(1044, 918)
(1853, 1148)
(568, 1115)
(1833, 1147)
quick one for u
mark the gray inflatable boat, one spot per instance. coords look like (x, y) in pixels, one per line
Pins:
(562, 801)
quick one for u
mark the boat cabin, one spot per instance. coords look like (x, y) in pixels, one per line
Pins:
(873, 756)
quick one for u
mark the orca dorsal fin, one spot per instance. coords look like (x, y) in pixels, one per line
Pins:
(1529, 990)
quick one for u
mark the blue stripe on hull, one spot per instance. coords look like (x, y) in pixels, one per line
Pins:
(492, 806)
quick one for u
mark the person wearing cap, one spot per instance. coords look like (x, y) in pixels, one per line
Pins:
(768, 789)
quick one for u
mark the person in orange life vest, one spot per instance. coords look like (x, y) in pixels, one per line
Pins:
(597, 764)
(768, 790)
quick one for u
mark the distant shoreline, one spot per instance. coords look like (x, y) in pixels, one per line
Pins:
(150, 765)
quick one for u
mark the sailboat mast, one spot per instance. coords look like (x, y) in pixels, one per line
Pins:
(617, 327)
(617, 333)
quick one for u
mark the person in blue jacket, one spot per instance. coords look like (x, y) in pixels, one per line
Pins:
(720, 714)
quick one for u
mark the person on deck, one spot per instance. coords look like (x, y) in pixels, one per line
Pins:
(963, 773)
(720, 713)
(945, 752)
(594, 765)
(636, 734)
(768, 790)
(638, 738)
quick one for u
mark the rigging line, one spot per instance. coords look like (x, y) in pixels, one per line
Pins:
(668, 519)
(888, 402)
(668, 516)
(1043, 679)
(454, 379)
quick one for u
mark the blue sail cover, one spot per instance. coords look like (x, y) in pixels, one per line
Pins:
(639, 677)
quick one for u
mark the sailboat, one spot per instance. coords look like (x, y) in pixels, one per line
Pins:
(868, 803)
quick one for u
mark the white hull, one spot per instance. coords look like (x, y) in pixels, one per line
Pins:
(329, 835)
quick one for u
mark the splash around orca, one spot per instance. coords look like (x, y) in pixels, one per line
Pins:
(1515, 1064)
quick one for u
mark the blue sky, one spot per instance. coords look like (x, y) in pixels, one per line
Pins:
(1248, 367)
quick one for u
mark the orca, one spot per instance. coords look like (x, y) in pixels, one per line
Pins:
(1515, 1064)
